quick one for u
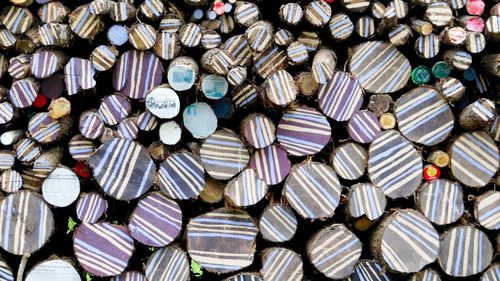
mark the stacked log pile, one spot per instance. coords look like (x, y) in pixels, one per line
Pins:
(173, 140)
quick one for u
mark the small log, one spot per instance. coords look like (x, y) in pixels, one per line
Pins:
(10, 181)
(413, 111)
(297, 53)
(465, 251)
(394, 165)
(167, 45)
(90, 125)
(349, 160)
(30, 182)
(213, 192)
(122, 11)
(57, 269)
(127, 129)
(114, 109)
(27, 222)
(236, 76)
(365, 199)
(156, 221)
(244, 95)
(214, 87)
(103, 57)
(259, 35)
(291, 13)
(85, 24)
(455, 36)
(158, 151)
(490, 64)
(61, 187)
(356, 6)
(91, 207)
(190, 35)
(441, 201)
(53, 12)
(426, 275)
(142, 36)
(451, 89)
(310, 39)
(472, 23)
(271, 164)
(477, 114)
(7, 113)
(117, 35)
(493, 129)
(303, 131)
(456, 4)
(152, 9)
(369, 270)
(313, 190)
(79, 75)
(387, 121)
(423, 28)
(246, 189)
(55, 34)
(181, 176)
(427, 47)
(283, 37)
(182, 73)
(23, 92)
(400, 34)
(377, 10)
(19, 66)
(146, 121)
(323, 65)
(381, 79)
(17, 19)
(401, 8)
(341, 27)
(128, 185)
(486, 210)
(168, 263)
(318, 13)
(258, 130)
(439, 14)
(365, 27)
(269, 62)
(439, 158)
(115, 248)
(222, 162)
(210, 39)
(341, 97)
(7, 159)
(280, 88)
(199, 119)
(334, 251)
(130, 275)
(53, 86)
(226, 24)
(246, 13)
(226, 245)
(363, 126)
(458, 59)
(163, 102)
(47, 162)
(59, 108)
(100, 7)
(170, 133)
(492, 273)
(26, 150)
(475, 42)
(278, 223)
(379, 104)
(405, 241)
(492, 31)
(46, 62)
(281, 264)
(135, 66)
(306, 83)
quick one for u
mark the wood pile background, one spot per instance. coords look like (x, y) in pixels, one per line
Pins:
(173, 140)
